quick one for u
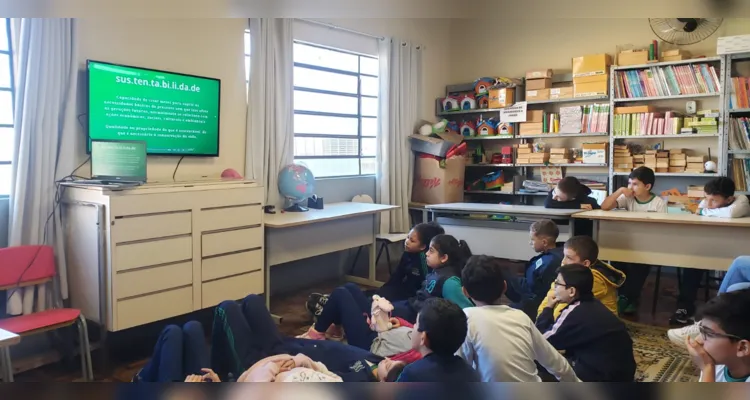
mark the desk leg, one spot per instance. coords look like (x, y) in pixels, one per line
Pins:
(373, 267)
(267, 282)
(424, 215)
(571, 229)
(595, 230)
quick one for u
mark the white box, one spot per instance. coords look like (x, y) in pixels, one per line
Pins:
(594, 156)
(733, 44)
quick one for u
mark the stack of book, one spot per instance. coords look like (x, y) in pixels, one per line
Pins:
(595, 118)
(559, 155)
(650, 123)
(649, 159)
(677, 161)
(739, 133)
(639, 160)
(740, 96)
(662, 161)
(696, 164)
(671, 80)
(706, 122)
(623, 159)
(525, 154)
(594, 185)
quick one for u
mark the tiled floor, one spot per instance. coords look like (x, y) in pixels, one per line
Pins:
(131, 355)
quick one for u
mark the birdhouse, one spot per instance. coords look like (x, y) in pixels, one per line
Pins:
(452, 127)
(483, 101)
(482, 85)
(468, 128)
(504, 128)
(468, 102)
(486, 127)
(450, 103)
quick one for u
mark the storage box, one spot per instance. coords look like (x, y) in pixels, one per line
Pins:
(539, 74)
(534, 84)
(595, 153)
(531, 128)
(588, 68)
(565, 92)
(535, 116)
(733, 44)
(499, 98)
(536, 95)
(432, 145)
(438, 182)
(634, 109)
(674, 58)
(633, 57)
(592, 88)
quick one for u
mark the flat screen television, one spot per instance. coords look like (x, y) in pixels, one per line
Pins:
(175, 114)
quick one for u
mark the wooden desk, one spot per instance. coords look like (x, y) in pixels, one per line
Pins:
(7, 339)
(675, 240)
(500, 238)
(339, 226)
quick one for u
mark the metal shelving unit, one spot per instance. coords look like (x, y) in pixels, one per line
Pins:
(562, 135)
(675, 97)
(660, 137)
(491, 165)
(729, 113)
(496, 137)
(570, 100)
(676, 174)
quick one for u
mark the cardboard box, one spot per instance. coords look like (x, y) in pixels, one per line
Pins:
(499, 98)
(733, 44)
(535, 84)
(535, 116)
(674, 58)
(595, 153)
(438, 182)
(432, 145)
(531, 128)
(539, 74)
(565, 92)
(697, 159)
(634, 109)
(539, 94)
(597, 87)
(588, 68)
(632, 57)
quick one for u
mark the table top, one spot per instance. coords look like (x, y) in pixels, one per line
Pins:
(502, 209)
(330, 212)
(679, 219)
(8, 338)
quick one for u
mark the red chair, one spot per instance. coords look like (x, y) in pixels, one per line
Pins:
(28, 266)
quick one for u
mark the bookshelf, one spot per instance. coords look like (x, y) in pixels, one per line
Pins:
(669, 84)
(737, 114)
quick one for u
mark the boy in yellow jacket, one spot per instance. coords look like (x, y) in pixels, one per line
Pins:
(584, 250)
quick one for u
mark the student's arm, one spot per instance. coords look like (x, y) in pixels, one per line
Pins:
(550, 202)
(738, 209)
(467, 351)
(613, 200)
(452, 291)
(407, 375)
(546, 318)
(551, 359)
(592, 202)
(543, 305)
(572, 332)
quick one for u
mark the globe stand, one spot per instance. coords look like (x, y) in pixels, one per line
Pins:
(296, 208)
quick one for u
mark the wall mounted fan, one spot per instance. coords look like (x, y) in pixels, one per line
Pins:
(683, 31)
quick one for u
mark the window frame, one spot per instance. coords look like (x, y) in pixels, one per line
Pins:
(11, 88)
(359, 116)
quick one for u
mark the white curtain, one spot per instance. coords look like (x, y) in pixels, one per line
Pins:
(270, 136)
(400, 90)
(45, 137)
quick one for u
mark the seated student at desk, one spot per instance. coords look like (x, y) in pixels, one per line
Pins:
(570, 193)
(719, 202)
(637, 196)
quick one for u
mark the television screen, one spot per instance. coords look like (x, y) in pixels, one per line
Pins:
(175, 114)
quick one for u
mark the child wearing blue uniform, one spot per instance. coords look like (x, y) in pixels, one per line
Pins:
(528, 292)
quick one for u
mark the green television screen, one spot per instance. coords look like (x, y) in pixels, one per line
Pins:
(175, 114)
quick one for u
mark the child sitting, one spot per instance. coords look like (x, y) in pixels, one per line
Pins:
(438, 333)
(570, 193)
(584, 250)
(594, 340)
(502, 343)
(527, 292)
(178, 353)
(722, 351)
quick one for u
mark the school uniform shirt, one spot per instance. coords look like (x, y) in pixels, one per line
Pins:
(439, 368)
(407, 278)
(575, 204)
(607, 280)
(655, 204)
(502, 344)
(595, 341)
(392, 341)
(739, 208)
(540, 273)
(441, 282)
(351, 363)
(722, 375)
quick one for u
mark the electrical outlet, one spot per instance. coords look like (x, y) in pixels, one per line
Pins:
(690, 107)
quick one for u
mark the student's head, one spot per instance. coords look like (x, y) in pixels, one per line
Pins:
(574, 282)
(641, 181)
(389, 370)
(725, 327)
(543, 235)
(440, 328)
(420, 236)
(580, 250)
(568, 188)
(446, 249)
(483, 279)
(719, 192)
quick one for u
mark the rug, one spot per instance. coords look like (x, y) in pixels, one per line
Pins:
(657, 359)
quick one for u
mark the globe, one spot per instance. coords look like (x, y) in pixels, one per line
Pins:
(296, 184)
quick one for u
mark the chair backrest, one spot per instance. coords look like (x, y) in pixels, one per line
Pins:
(26, 265)
(362, 198)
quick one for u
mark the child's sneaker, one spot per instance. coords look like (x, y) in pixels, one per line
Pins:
(625, 306)
(335, 332)
(678, 336)
(312, 334)
(681, 317)
(315, 303)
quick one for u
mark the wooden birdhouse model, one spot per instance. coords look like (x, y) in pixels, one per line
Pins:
(468, 128)
(468, 102)
(451, 103)
(486, 127)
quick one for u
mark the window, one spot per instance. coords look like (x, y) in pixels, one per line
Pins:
(335, 111)
(6, 107)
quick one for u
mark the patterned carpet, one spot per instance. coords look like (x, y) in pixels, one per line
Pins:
(657, 358)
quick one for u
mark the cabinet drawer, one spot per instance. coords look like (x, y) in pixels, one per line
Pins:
(154, 307)
(231, 264)
(232, 288)
(239, 196)
(231, 241)
(150, 280)
(152, 226)
(153, 252)
(230, 217)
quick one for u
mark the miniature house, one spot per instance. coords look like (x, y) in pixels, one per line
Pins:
(483, 101)
(482, 85)
(486, 128)
(452, 127)
(468, 128)
(450, 103)
(468, 102)
(504, 128)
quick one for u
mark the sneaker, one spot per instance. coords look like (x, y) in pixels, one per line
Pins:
(625, 306)
(681, 317)
(335, 332)
(315, 303)
(312, 334)
(678, 336)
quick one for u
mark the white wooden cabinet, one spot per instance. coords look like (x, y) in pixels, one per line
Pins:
(144, 254)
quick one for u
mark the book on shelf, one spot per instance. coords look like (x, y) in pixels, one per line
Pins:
(740, 97)
(664, 123)
(741, 173)
(739, 133)
(670, 80)
(595, 118)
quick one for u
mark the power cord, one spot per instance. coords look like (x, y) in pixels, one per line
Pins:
(175, 169)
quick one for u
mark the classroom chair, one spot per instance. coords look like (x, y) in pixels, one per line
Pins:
(384, 239)
(24, 266)
(706, 286)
